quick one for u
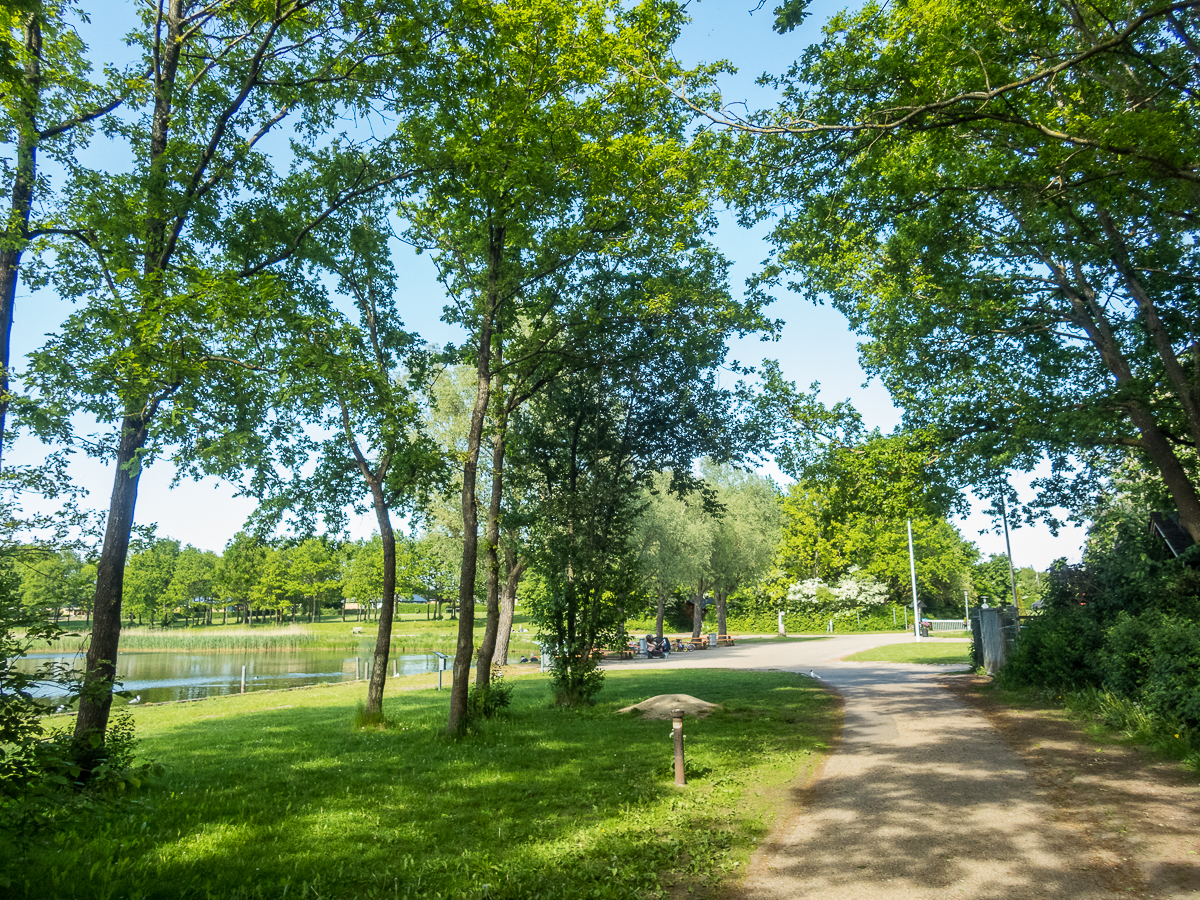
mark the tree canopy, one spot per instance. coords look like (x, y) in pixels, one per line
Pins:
(999, 196)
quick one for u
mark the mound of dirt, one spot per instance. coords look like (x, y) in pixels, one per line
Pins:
(660, 707)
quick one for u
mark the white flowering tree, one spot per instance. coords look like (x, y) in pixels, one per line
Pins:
(856, 592)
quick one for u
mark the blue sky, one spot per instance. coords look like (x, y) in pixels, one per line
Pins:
(816, 344)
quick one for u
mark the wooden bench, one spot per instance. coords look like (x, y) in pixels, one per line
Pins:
(698, 644)
(724, 640)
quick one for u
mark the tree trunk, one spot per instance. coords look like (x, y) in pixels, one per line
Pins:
(457, 719)
(383, 640)
(487, 648)
(698, 611)
(95, 700)
(17, 232)
(721, 598)
(660, 613)
(96, 697)
(1089, 315)
(508, 602)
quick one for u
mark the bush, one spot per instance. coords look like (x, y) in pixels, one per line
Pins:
(1127, 623)
(577, 680)
(1058, 650)
(491, 699)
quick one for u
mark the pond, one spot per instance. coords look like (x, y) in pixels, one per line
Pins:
(155, 677)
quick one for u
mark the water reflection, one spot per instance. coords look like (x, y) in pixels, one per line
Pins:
(160, 676)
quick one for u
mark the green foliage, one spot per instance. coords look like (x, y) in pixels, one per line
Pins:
(52, 581)
(491, 699)
(542, 802)
(824, 538)
(1058, 650)
(42, 783)
(1155, 660)
(1125, 622)
(148, 574)
(747, 619)
(965, 180)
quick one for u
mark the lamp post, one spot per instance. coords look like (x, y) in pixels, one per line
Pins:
(912, 568)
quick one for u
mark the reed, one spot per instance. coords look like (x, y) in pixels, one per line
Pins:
(287, 638)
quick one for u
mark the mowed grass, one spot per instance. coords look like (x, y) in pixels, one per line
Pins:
(411, 633)
(273, 794)
(924, 652)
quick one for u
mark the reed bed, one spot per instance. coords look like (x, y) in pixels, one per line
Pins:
(290, 638)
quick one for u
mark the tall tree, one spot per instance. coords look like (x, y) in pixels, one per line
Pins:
(47, 105)
(239, 571)
(149, 572)
(538, 153)
(745, 533)
(1000, 195)
(588, 447)
(360, 384)
(178, 256)
(674, 540)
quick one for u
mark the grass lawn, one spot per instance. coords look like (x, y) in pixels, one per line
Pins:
(923, 652)
(274, 794)
(411, 633)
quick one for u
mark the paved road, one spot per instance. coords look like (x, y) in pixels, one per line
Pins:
(920, 800)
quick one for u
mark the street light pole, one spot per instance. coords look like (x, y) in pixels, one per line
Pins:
(1012, 577)
(912, 569)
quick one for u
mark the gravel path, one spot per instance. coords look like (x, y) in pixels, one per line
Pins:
(921, 799)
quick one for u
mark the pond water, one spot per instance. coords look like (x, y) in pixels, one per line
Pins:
(159, 676)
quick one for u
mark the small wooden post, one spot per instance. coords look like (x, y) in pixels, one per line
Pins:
(243, 679)
(677, 733)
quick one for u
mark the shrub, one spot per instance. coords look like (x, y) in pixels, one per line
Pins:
(491, 699)
(1058, 650)
(576, 682)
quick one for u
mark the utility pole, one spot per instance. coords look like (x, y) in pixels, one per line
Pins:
(912, 568)
(1012, 575)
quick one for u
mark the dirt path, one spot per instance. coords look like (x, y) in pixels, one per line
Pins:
(935, 793)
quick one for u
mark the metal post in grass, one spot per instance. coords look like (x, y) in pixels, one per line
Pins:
(243, 679)
(356, 668)
(441, 666)
(677, 734)
(395, 671)
(781, 628)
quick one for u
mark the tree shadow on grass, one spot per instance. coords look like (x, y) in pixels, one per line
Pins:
(272, 802)
(924, 800)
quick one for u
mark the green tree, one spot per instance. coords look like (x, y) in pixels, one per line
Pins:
(276, 589)
(47, 106)
(177, 258)
(538, 152)
(1000, 197)
(239, 571)
(674, 539)
(745, 532)
(149, 572)
(361, 382)
(52, 582)
(362, 580)
(314, 574)
(587, 448)
(814, 545)
(193, 583)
